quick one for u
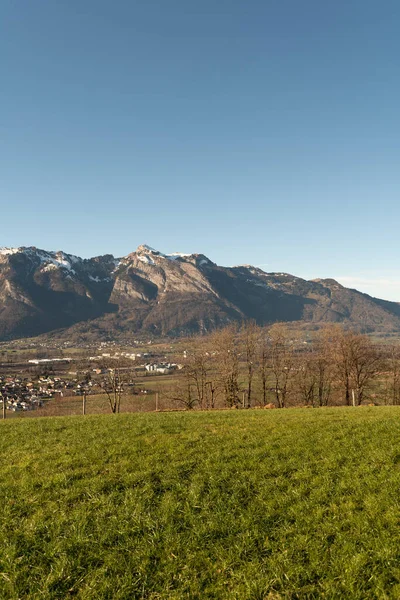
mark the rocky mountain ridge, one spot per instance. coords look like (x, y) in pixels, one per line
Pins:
(165, 294)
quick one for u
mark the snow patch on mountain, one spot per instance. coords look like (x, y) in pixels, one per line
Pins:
(176, 255)
(49, 267)
(146, 259)
(145, 253)
(53, 266)
(56, 259)
(52, 260)
(98, 279)
(6, 251)
(117, 263)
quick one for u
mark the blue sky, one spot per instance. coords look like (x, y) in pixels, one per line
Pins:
(257, 131)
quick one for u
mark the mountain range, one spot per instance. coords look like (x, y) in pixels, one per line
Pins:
(165, 294)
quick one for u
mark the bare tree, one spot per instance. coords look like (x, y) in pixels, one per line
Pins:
(306, 377)
(115, 380)
(314, 374)
(198, 368)
(226, 347)
(364, 364)
(393, 379)
(355, 361)
(212, 392)
(183, 391)
(282, 362)
(114, 388)
(323, 369)
(250, 335)
(336, 337)
(198, 380)
(264, 355)
(182, 395)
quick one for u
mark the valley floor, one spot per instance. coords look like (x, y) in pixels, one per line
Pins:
(225, 505)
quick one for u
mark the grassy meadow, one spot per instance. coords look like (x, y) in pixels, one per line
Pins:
(227, 505)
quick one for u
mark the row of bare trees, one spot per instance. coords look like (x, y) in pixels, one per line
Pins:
(273, 366)
(254, 366)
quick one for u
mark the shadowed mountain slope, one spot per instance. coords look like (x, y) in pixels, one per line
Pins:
(175, 294)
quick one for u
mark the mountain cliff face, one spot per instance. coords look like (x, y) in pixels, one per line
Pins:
(165, 294)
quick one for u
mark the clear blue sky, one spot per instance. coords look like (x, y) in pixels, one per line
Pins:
(254, 131)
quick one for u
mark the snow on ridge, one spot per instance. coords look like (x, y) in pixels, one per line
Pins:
(144, 250)
(61, 261)
(243, 266)
(53, 266)
(71, 257)
(175, 255)
(252, 269)
(4, 251)
(67, 260)
(58, 259)
(55, 260)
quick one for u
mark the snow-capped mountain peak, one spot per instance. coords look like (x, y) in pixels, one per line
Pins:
(165, 293)
(144, 248)
(45, 259)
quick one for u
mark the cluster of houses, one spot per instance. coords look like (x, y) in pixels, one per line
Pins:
(28, 391)
(20, 394)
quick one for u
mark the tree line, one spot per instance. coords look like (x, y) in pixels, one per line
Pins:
(252, 366)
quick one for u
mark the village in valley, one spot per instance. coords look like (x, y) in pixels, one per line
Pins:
(28, 384)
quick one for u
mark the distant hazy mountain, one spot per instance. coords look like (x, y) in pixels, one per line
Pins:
(165, 294)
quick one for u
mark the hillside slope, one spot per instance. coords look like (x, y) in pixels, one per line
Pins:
(148, 291)
(229, 505)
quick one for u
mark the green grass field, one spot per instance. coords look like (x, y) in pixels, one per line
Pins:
(95, 405)
(227, 505)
